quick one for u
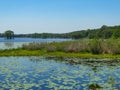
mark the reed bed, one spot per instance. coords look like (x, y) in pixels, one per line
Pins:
(94, 46)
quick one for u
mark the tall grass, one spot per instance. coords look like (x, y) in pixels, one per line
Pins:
(34, 46)
(96, 46)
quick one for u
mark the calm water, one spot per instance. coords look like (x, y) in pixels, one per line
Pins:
(40, 73)
(18, 42)
(32, 40)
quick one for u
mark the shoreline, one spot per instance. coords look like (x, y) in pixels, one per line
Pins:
(20, 52)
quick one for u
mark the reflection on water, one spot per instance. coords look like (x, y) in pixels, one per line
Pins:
(41, 73)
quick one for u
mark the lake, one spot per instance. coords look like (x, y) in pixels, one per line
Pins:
(18, 42)
(48, 73)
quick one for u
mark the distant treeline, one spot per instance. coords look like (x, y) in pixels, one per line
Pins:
(104, 32)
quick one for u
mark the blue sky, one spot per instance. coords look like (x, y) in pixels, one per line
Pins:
(57, 16)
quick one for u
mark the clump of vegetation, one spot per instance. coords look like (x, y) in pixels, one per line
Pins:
(111, 46)
(34, 46)
(94, 86)
(9, 34)
(95, 47)
(111, 81)
(51, 48)
(77, 46)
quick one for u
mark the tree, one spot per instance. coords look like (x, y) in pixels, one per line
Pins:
(104, 27)
(9, 34)
(116, 34)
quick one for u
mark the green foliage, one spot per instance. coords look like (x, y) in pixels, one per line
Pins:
(116, 34)
(95, 47)
(105, 32)
(9, 34)
(94, 87)
(21, 52)
(111, 80)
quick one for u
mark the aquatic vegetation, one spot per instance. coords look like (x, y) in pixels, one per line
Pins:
(38, 73)
(111, 81)
(94, 87)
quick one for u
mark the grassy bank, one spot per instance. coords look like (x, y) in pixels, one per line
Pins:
(20, 52)
(87, 48)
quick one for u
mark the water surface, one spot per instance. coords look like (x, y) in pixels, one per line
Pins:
(18, 42)
(41, 73)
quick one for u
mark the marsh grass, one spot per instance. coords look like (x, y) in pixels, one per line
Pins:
(94, 46)
(34, 46)
(86, 48)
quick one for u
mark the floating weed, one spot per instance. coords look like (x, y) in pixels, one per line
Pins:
(63, 87)
(95, 86)
(69, 82)
(21, 73)
(111, 81)
(51, 84)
